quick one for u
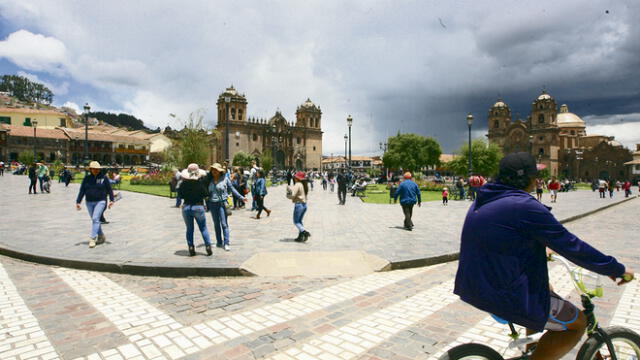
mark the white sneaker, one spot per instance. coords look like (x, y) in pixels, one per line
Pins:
(227, 248)
(101, 239)
(92, 242)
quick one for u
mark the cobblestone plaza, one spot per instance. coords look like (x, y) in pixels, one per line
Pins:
(50, 312)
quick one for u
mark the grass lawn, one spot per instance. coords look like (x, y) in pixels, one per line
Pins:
(380, 195)
(159, 190)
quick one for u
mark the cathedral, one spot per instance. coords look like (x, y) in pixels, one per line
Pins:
(291, 145)
(558, 140)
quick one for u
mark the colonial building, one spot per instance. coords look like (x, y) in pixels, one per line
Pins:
(633, 167)
(291, 145)
(558, 139)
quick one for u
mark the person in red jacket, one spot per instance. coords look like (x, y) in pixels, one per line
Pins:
(554, 186)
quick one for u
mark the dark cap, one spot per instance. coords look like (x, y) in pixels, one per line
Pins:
(518, 165)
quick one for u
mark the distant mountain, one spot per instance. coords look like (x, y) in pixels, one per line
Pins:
(120, 120)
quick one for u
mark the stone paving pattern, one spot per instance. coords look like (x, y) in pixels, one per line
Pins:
(146, 230)
(404, 314)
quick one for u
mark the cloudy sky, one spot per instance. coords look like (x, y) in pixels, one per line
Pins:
(409, 66)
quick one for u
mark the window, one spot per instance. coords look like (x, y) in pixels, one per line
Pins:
(233, 114)
(63, 123)
(5, 120)
(541, 138)
(255, 137)
(239, 114)
(541, 151)
(314, 148)
(298, 140)
(27, 122)
(237, 144)
(573, 132)
(496, 124)
(541, 119)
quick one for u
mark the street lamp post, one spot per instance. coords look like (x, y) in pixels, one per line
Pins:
(383, 147)
(345, 150)
(349, 123)
(469, 122)
(35, 140)
(531, 144)
(227, 100)
(87, 108)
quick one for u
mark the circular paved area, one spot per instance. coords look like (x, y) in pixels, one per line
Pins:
(146, 234)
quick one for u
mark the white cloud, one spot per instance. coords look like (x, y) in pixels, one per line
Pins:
(34, 51)
(625, 127)
(72, 105)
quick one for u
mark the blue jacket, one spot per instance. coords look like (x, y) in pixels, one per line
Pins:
(503, 266)
(95, 188)
(409, 193)
(260, 187)
(219, 192)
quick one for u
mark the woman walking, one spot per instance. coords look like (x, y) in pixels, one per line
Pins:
(96, 187)
(298, 194)
(33, 178)
(193, 192)
(261, 192)
(219, 187)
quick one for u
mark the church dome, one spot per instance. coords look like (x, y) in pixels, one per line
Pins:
(309, 104)
(544, 96)
(500, 104)
(567, 119)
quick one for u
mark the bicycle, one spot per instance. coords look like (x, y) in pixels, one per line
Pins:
(601, 343)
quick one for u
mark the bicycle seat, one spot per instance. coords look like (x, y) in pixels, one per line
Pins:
(499, 319)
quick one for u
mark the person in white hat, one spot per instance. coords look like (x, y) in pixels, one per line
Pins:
(219, 187)
(194, 193)
(96, 188)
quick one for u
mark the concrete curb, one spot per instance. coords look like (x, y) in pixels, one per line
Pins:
(440, 259)
(133, 268)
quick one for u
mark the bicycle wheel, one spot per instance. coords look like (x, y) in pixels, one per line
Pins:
(471, 352)
(626, 344)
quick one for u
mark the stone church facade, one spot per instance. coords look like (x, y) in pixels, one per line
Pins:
(558, 140)
(295, 145)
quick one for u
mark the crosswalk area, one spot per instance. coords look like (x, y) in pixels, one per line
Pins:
(396, 314)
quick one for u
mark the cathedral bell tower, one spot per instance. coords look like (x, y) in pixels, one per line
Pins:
(543, 112)
(499, 119)
(237, 105)
(308, 115)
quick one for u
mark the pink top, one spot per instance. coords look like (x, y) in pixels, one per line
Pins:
(445, 193)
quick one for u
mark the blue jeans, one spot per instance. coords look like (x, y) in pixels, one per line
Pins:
(41, 178)
(191, 212)
(298, 213)
(220, 225)
(96, 208)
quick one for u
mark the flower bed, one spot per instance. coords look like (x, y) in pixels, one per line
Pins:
(152, 179)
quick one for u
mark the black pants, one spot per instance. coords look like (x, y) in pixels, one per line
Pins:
(445, 200)
(407, 209)
(342, 195)
(32, 184)
(260, 203)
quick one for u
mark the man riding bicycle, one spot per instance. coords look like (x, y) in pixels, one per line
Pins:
(503, 259)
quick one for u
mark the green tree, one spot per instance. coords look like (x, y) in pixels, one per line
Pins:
(25, 89)
(485, 159)
(266, 161)
(193, 141)
(411, 152)
(242, 158)
(25, 157)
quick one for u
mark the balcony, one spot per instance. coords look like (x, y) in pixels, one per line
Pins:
(131, 151)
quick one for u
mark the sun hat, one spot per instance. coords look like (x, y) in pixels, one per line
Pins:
(300, 175)
(407, 175)
(192, 172)
(94, 165)
(217, 167)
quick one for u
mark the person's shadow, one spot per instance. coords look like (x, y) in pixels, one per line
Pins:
(287, 240)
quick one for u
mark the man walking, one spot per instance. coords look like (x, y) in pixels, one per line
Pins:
(409, 194)
(342, 181)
